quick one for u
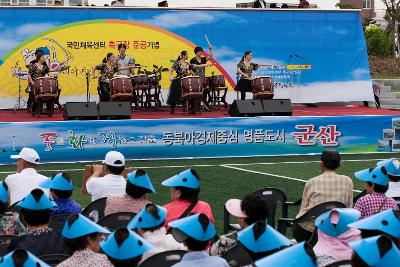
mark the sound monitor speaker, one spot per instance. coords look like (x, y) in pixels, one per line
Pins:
(277, 107)
(80, 111)
(114, 110)
(246, 108)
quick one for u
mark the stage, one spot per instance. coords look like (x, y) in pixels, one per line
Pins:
(298, 111)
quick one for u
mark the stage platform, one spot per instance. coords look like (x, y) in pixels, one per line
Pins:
(298, 111)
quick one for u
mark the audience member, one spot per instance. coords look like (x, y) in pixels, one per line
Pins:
(301, 254)
(113, 3)
(328, 186)
(261, 240)
(124, 248)
(9, 222)
(195, 232)
(113, 183)
(57, 3)
(118, 3)
(150, 224)
(163, 4)
(185, 189)
(375, 251)
(334, 235)
(273, 5)
(376, 186)
(385, 223)
(21, 258)
(40, 240)
(393, 169)
(301, 2)
(259, 4)
(138, 186)
(82, 236)
(26, 179)
(306, 4)
(61, 189)
(251, 209)
(284, 6)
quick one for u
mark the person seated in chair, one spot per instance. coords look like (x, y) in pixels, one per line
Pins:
(21, 257)
(9, 222)
(61, 189)
(251, 209)
(195, 232)
(149, 222)
(335, 235)
(113, 183)
(376, 185)
(124, 248)
(261, 240)
(40, 240)
(393, 169)
(137, 187)
(328, 186)
(83, 236)
(375, 251)
(185, 189)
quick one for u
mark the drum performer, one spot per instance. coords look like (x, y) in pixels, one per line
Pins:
(107, 70)
(245, 70)
(125, 60)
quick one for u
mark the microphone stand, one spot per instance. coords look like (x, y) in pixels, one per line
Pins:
(87, 86)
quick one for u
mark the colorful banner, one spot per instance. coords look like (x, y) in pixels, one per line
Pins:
(71, 141)
(318, 56)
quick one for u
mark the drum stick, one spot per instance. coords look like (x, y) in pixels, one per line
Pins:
(208, 42)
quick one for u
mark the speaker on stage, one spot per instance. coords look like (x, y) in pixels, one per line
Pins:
(114, 110)
(246, 108)
(277, 107)
(80, 111)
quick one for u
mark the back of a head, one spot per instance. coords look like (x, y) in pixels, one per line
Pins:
(19, 257)
(330, 159)
(255, 208)
(196, 245)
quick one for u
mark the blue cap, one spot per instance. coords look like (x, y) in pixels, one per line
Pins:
(346, 216)
(42, 202)
(270, 239)
(31, 261)
(293, 256)
(80, 227)
(184, 179)
(141, 180)
(133, 245)
(58, 182)
(3, 192)
(376, 175)
(385, 221)
(145, 219)
(368, 251)
(392, 166)
(192, 227)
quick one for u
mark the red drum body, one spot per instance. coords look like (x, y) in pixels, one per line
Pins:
(46, 87)
(218, 81)
(263, 88)
(191, 87)
(121, 88)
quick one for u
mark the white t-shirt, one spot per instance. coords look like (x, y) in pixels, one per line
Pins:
(107, 186)
(394, 189)
(21, 184)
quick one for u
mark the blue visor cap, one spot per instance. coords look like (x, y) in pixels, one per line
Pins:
(80, 227)
(3, 193)
(386, 222)
(376, 175)
(392, 166)
(31, 203)
(58, 182)
(141, 181)
(31, 261)
(269, 240)
(368, 251)
(191, 227)
(184, 179)
(346, 216)
(145, 220)
(133, 246)
(294, 256)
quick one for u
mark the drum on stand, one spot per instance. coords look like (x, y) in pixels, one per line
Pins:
(218, 92)
(192, 87)
(46, 92)
(263, 87)
(121, 88)
(141, 86)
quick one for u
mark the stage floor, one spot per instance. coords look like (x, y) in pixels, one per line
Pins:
(351, 110)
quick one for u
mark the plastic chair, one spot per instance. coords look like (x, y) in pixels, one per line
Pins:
(363, 193)
(311, 215)
(116, 220)
(5, 241)
(54, 259)
(339, 263)
(57, 222)
(164, 259)
(237, 256)
(95, 210)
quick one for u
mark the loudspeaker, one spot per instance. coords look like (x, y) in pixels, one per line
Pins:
(114, 110)
(80, 111)
(277, 107)
(246, 108)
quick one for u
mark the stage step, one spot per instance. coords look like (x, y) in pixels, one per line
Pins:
(390, 95)
(396, 107)
(390, 101)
